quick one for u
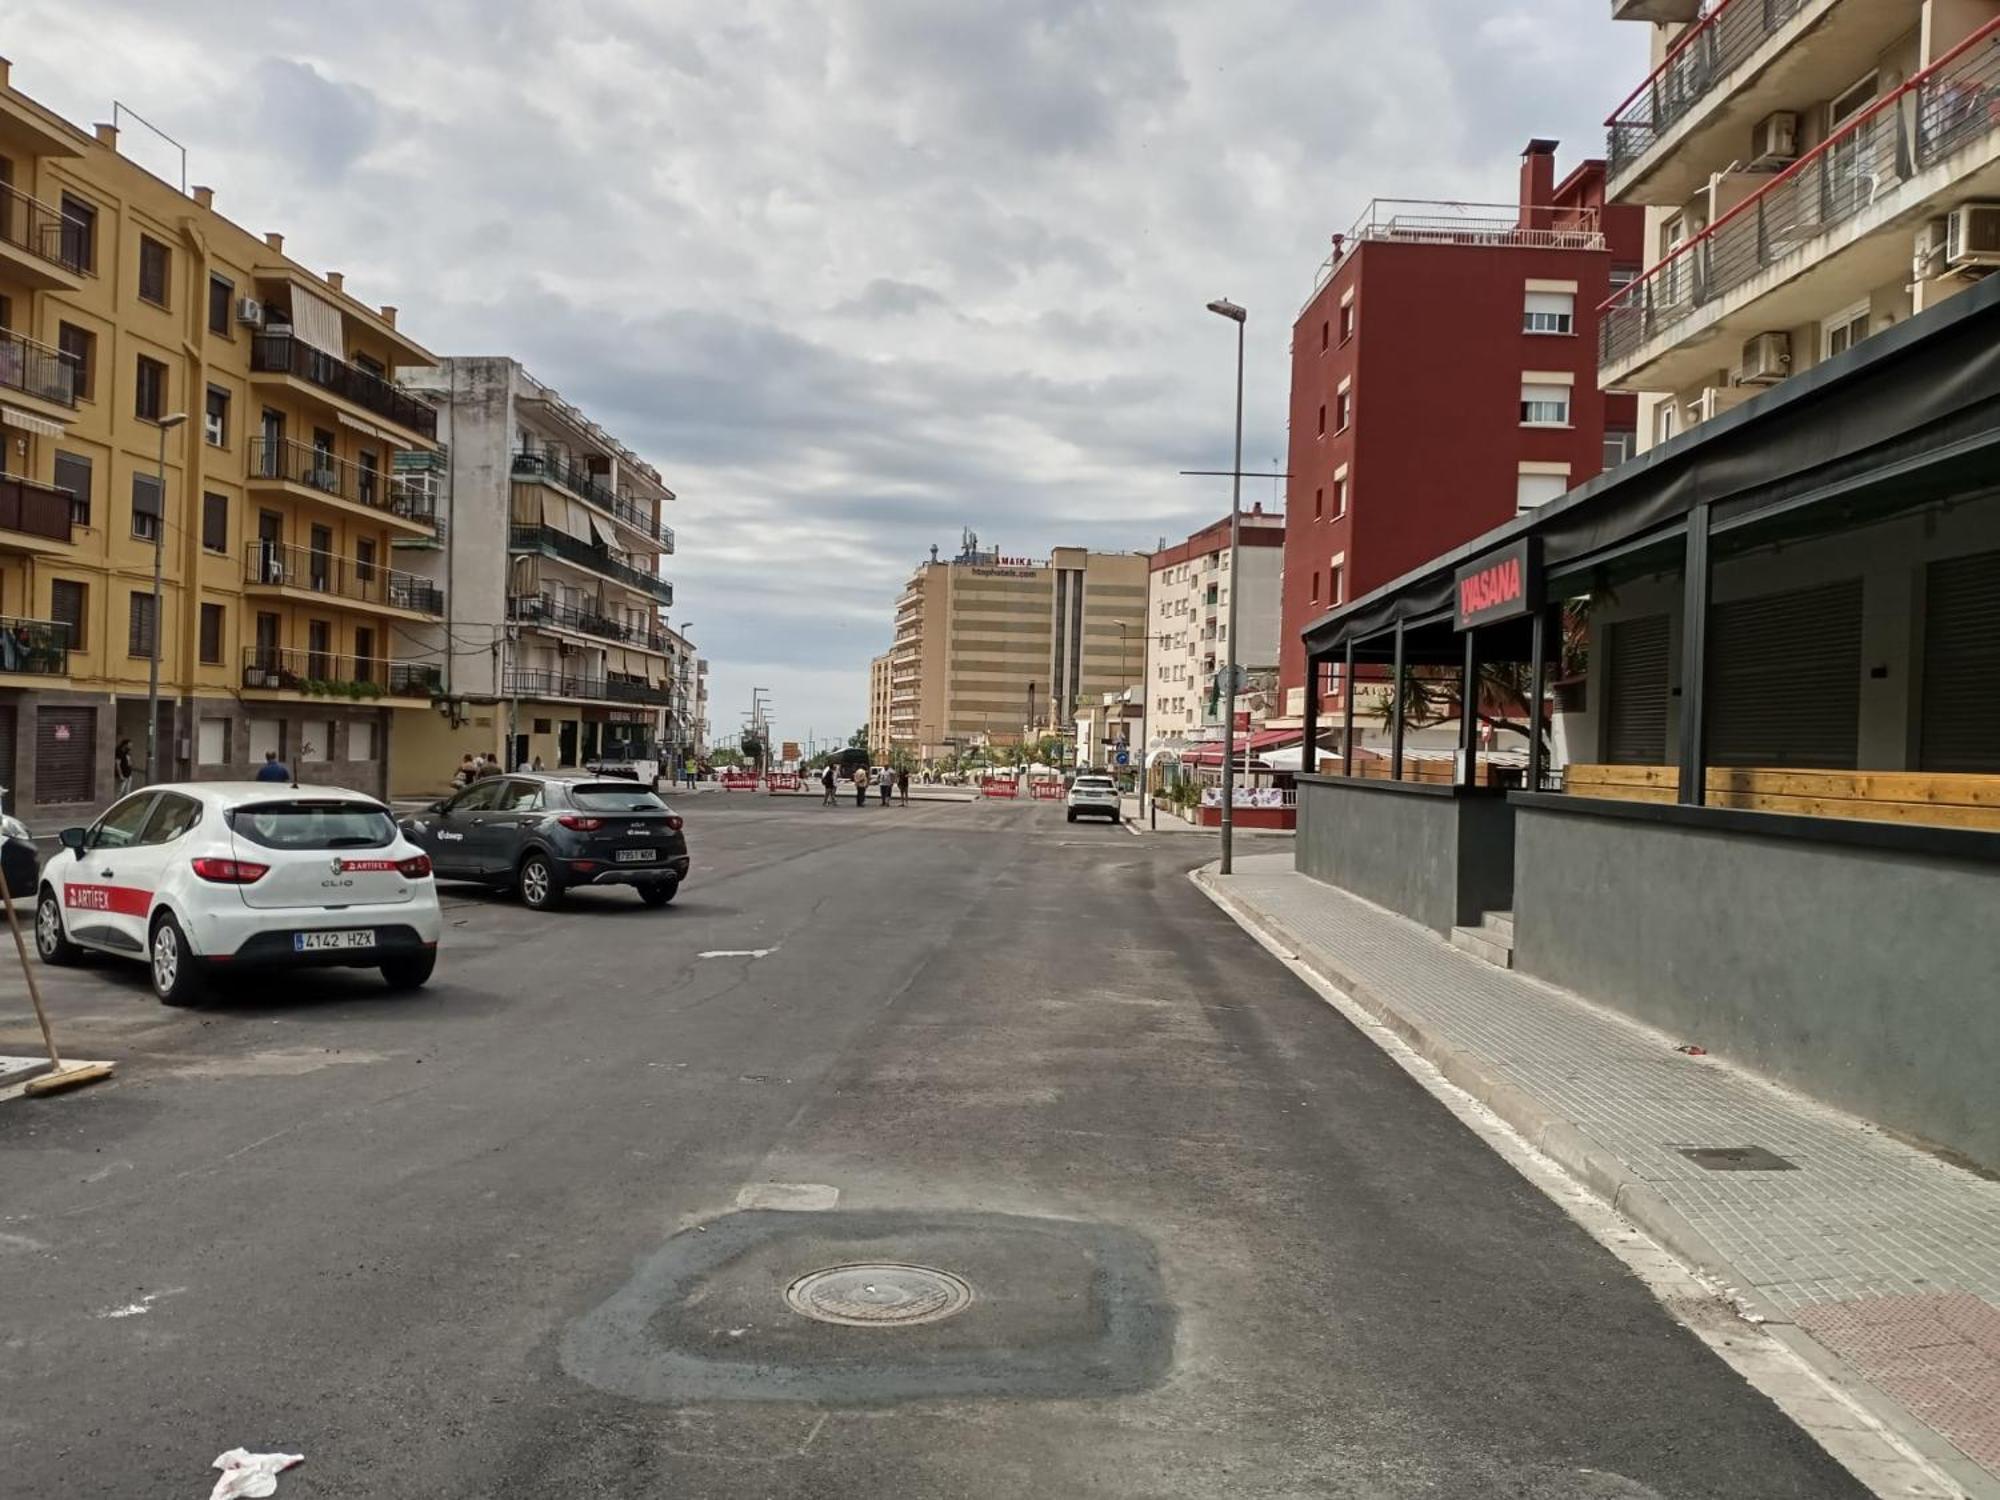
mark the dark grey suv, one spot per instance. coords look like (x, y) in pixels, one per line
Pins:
(544, 834)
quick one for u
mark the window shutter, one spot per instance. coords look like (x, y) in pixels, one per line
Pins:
(139, 633)
(1635, 707)
(73, 474)
(1960, 719)
(1784, 679)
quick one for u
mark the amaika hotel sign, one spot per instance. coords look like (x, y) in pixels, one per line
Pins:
(1502, 585)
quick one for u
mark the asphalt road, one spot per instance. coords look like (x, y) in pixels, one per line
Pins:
(488, 1241)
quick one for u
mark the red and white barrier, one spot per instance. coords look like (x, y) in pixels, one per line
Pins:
(1046, 789)
(739, 781)
(783, 781)
(997, 786)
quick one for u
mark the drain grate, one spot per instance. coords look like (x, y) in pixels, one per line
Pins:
(1737, 1159)
(879, 1296)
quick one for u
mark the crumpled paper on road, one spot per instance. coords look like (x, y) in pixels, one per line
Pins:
(250, 1476)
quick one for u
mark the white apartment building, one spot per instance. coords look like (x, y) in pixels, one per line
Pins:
(1187, 620)
(1814, 171)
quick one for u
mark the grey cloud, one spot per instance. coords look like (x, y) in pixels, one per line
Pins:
(886, 297)
(321, 125)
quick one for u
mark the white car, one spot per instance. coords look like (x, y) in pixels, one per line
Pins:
(205, 877)
(1094, 795)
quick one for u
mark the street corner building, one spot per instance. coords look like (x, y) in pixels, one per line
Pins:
(170, 380)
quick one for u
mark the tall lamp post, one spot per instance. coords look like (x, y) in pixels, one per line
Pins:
(1227, 309)
(167, 423)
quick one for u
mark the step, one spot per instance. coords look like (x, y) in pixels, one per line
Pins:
(1482, 944)
(1501, 925)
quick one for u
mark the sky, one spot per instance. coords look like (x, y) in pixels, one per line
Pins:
(855, 275)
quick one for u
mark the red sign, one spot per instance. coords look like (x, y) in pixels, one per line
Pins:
(62, 731)
(1500, 586)
(126, 900)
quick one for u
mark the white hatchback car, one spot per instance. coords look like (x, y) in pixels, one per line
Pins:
(1093, 794)
(221, 876)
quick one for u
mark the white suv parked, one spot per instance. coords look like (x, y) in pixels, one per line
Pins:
(1093, 795)
(201, 877)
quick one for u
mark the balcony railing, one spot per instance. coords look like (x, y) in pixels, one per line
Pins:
(528, 683)
(303, 464)
(541, 609)
(286, 354)
(337, 674)
(40, 647)
(578, 481)
(1705, 55)
(1418, 222)
(275, 565)
(1938, 112)
(31, 225)
(36, 370)
(35, 509)
(561, 544)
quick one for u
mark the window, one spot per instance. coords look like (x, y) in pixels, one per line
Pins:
(1314, 597)
(1336, 580)
(369, 478)
(6, 312)
(215, 418)
(1620, 443)
(364, 658)
(1346, 321)
(145, 506)
(79, 233)
(1549, 312)
(1666, 421)
(120, 827)
(211, 633)
(1844, 330)
(1322, 420)
(364, 561)
(69, 603)
(1340, 494)
(173, 815)
(361, 739)
(73, 474)
(1623, 276)
(215, 522)
(150, 400)
(316, 739)
(211, 740)
(1343, 410)
(370, 365)
(1319, 504)
(221, 292)
(320, 558)
(81, 346)
(141, 634)
(1534, 490)
(1544, 405)
(154, 261)
(319, 649)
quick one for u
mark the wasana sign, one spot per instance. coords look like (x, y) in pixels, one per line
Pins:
(1501, 585)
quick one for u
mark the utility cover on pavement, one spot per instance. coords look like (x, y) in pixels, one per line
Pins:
(878, 1296)
(1737, 1159)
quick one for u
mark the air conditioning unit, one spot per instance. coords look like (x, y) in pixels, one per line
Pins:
(1972, 236)
(1775, 140)
(1767, 359)
(249, 311)
(1928, 258)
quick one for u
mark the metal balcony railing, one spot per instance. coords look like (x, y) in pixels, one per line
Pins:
(40, 647)
(542, 609)
(1937, 113)
(337, 674)
(37, 370)
(559, 469)
(1422, 222)
(31, 225)
(35, 509)
(286, 354)
(276, 565)
(561, 544)
(531, 683)
(301, 463)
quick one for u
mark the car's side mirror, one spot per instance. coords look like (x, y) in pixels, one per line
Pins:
(435, 807)
(72, 839)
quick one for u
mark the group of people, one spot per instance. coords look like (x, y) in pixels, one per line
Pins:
(473, 768)
(883, 778)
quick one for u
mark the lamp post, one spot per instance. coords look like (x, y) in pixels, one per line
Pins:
(159, 541)
(1227, 309)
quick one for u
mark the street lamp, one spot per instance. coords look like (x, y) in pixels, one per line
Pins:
(1227, 309)
(159, 539)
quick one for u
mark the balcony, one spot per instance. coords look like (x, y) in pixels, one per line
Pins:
(313, 473)
(559, 470)
(36, 370)
(528, 683)
(306, 574)
(1831, 228)
(287, 355)
(36, 247)
(543, 610)
(566, 548)
(336, 675)
(1411, 221)
(33, 516)
(34, 648)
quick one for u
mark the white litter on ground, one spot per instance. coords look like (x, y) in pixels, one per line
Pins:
(250, 1475)
(737, 953)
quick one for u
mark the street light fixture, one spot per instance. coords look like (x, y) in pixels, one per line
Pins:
(1227, 309)
(166, 424)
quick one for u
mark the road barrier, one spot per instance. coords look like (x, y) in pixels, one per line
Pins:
(783, 781)
(1046, 789)
(739, 781)
(995, 786)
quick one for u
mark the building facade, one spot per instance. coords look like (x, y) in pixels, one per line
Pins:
(1812, 173)
(555, 646)
(1187, 621)
(1444, 379)
(878, 706)
(169, 378)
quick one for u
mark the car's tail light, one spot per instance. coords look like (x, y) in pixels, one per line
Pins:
(675, 822)
(416, 867)
(580, 823)
(230, 871)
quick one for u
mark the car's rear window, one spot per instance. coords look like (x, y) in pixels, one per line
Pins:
(614, 796)
(302, 823)
(1094, 783)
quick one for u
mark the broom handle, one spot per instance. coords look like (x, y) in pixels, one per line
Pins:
(28, 970)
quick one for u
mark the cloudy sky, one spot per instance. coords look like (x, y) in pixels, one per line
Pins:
(856, 274)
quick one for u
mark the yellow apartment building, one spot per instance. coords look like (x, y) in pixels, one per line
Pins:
(124, 305)
(878, 706)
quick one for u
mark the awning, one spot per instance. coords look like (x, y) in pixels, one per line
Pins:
(316, 321)
(27, 421)
(599, 528)
(360, 426)
(615, 661)
(1254, 744)
(575, 516)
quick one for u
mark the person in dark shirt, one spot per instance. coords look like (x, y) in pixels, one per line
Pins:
(273, 769)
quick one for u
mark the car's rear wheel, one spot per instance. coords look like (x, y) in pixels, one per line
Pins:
(410, 970)
(660, 894)
(51, 942)
(177, 976)
(537, 883)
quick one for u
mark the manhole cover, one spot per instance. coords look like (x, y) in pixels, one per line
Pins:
(877, 1296)
(1737, 1159)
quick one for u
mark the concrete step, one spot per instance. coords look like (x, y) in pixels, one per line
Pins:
(1501, 925)
(1481, 943)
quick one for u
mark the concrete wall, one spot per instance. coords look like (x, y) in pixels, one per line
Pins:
(1861, 975)
(1432, 854)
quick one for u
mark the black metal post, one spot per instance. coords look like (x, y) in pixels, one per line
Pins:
(1538, 686)
(1396, 715)
(1694, 660)
(1347, 712)
(1309, 752)
(1468, 713)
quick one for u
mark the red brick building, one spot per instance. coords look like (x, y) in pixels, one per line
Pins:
(1444, 376)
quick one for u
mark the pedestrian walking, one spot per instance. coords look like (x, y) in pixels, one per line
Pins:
(121, 760)
(903, 785)
(884, 779)
(826, 780)
(464, 773)
(860, 786)
(273, 769)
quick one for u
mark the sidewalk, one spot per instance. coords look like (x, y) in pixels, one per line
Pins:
(1868, 1256)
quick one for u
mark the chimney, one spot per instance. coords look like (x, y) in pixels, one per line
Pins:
(204, 197)
(107, 135)
(1538, 184)
(274, 241)
(334, 279)
(389, 315)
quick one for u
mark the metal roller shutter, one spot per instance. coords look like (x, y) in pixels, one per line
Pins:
(1784, 679)
(9, 771)
(65, 752)
(1636, 692)
(1961, 711)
